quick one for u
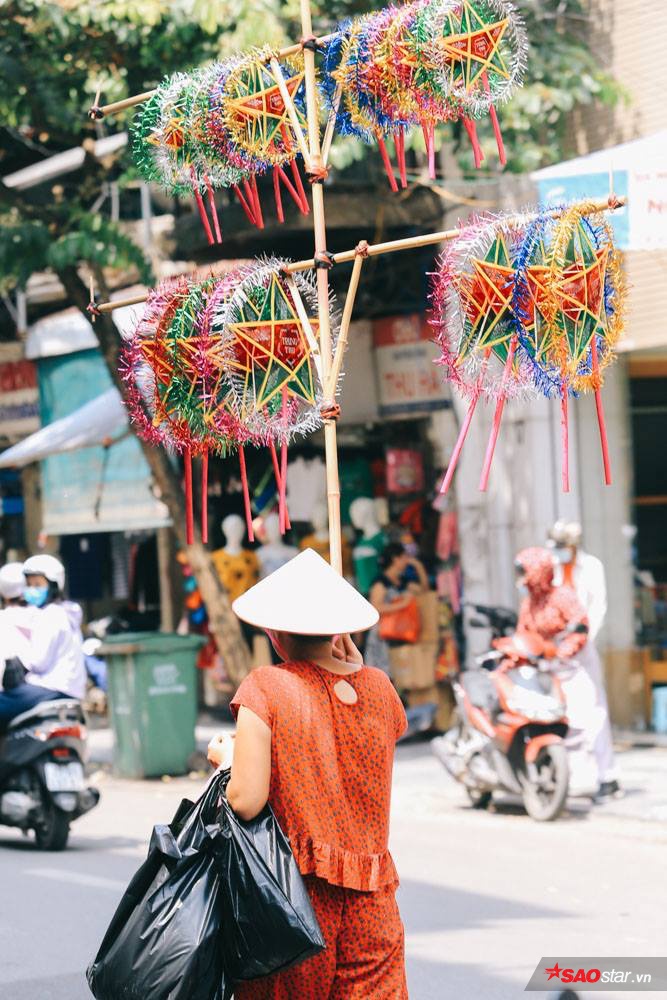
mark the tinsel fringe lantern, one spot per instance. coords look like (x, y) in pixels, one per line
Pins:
(528, 305)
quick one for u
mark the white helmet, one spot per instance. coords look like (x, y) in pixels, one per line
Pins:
(47, 566)
(12, 581)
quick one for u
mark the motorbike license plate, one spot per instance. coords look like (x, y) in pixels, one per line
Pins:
(64, 777)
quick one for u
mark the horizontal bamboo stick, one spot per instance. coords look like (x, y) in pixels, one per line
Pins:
(392, 246)
(428, 239)
(130, 102)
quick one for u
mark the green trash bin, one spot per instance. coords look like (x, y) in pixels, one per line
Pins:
(152, 687)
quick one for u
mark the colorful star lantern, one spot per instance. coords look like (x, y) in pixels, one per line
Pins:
(220, 363)
(421, 64)
(220, 127)
(269, 335)
(525, 306)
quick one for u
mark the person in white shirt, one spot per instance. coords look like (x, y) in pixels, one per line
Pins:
(54, 656)
(585, 574)
(15, 618)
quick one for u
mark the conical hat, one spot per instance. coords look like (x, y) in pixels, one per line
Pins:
(308, 597)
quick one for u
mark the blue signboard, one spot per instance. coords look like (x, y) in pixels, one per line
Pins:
(555, 191)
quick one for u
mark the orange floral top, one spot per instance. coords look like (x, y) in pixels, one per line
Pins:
(331, 767)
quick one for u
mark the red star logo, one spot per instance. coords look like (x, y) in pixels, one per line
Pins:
(554, 973)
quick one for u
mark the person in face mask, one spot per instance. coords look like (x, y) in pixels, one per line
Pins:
(54, 656)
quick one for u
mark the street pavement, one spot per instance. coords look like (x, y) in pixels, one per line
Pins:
(484, 895)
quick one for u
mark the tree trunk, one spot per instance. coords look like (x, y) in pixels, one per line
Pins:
(222, 621)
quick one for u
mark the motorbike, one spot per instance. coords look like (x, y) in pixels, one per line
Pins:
(42, 782)
(511, 728)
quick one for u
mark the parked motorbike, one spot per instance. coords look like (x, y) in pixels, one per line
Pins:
(42, 782)
(511, 727)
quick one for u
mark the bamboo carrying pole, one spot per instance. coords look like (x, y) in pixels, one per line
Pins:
(324, 330)
(374, 250)
(131, 102)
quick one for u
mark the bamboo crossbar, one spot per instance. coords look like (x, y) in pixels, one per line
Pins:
(376, 249)
(131, 102)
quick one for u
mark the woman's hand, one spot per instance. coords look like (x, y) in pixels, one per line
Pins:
(221, 750)
(344, 649)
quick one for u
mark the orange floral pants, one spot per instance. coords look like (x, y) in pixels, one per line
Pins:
(364, 956)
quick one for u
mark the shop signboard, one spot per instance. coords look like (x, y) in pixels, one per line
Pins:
(640, 225)
(409, 381)
(19, 397)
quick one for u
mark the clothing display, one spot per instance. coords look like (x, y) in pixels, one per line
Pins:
(366, 557)
(306, 487)
(330, 768)
(356, 480)
(237, 572)
(364, 957)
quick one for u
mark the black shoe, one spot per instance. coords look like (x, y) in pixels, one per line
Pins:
(610, 790)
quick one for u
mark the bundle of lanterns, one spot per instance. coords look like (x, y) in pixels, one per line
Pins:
(218, 364)
(420, 65)
(413, 66)
(529, 306)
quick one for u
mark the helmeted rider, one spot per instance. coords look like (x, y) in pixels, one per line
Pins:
(15, 618)
(557, 616)
(54, 658)
(547, 610)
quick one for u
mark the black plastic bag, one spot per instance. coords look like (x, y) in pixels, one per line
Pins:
(163, 940)
(217, 901)
(269, 919)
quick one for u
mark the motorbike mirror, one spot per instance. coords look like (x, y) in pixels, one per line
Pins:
(477, 623)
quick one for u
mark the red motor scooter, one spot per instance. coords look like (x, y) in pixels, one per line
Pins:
(510, 731)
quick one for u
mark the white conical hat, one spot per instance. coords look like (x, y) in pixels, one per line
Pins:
(308, 597)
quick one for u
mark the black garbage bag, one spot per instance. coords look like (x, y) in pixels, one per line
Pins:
(163, 940)
(269, 919)
(217, 901)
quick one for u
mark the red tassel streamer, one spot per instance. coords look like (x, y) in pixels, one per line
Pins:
(189, 509)
(204, 496)
(244, 205)
(564, 440)
(387, 164)
(471, 129)
(604, 444)
(496, 124)
(202, 215)
(292, 191)
(257, 203)
(276, 473)
(428, 129)
(277, 195)
(296, 175)
(463, 433)
(214, 211)
(497, 417)
(246, 495)
(399, 143)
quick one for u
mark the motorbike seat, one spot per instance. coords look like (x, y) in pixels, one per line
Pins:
(60, 708)
(481, 690)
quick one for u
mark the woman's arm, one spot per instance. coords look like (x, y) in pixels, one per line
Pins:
(422, 575)
(248, 788)
(377, 598)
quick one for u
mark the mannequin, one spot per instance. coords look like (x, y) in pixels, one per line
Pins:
(237, 568)
(366, 553)
(318, 539)
(274, 553)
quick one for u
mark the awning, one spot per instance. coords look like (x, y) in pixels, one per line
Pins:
(68, 330)
(101, 421)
